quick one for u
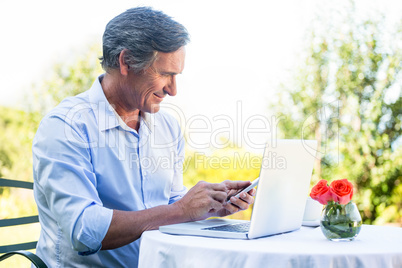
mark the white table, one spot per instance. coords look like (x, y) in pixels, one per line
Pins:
(376, 246)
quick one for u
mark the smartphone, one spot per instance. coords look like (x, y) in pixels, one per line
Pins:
(248, 188)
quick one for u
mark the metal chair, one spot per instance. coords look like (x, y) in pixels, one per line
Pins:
(21, 248)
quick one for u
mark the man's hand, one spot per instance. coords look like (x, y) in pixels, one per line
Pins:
(236, 204)
(206, 200)
(202, 200)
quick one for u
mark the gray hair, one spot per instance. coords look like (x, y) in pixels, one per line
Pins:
(143, 32)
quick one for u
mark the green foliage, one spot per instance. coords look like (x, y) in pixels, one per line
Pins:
(347, 95)
(16, 134)
(67, 78)
(72, 79)
(17, 128)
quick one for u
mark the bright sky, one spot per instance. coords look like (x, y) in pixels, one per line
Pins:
(239, 51)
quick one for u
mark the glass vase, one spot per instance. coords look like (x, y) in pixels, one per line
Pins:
(341, 222)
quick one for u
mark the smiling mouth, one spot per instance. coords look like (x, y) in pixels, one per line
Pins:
(161, 97)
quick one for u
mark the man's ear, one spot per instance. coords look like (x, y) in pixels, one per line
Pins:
(124, 67)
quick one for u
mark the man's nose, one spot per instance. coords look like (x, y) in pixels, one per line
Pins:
(170, 87)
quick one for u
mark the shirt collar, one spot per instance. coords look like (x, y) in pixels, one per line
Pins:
(106, 115)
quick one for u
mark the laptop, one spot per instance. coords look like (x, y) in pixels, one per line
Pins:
(280, 200)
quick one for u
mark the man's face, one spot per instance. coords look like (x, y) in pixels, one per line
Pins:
(146, 90)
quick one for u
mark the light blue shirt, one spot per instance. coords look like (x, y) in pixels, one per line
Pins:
(87, 162)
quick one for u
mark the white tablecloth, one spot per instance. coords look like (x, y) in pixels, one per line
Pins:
(376, 246)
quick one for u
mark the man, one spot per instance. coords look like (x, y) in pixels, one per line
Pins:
(98, 179)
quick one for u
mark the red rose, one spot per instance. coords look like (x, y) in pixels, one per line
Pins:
(321, 192)
(342, 191)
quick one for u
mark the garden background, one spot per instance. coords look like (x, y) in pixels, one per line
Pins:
(343, 88)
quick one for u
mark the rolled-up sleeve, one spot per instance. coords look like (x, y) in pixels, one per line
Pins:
(64, 175)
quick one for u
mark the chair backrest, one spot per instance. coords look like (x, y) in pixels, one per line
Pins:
(17, 221)
(20, 248)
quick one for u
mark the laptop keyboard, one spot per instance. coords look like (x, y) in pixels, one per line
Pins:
(237, 227)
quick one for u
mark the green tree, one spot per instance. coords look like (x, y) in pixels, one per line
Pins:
(347, 95)
(16, 135)
(66, 78)
(17, 127)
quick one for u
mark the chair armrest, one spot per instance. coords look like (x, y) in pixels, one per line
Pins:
(29, 255)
